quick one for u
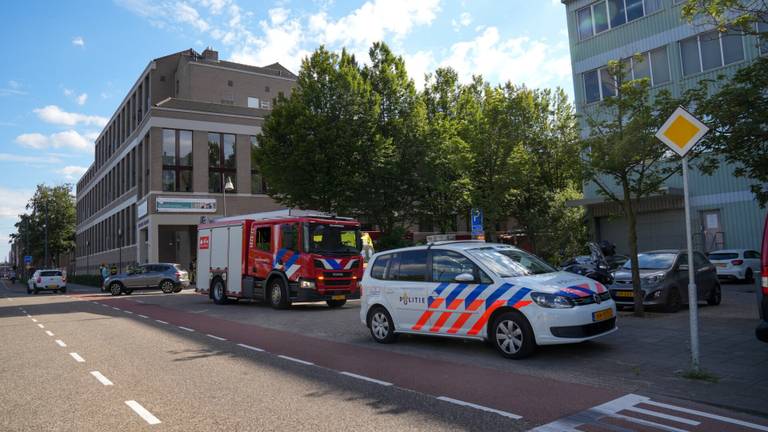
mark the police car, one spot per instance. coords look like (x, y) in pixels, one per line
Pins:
(484, 291)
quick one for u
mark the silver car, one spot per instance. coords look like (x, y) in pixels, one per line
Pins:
(664, 280)
(168, 277)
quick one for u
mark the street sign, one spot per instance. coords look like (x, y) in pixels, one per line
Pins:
(477, 224)
(681, 131)
(27, 259)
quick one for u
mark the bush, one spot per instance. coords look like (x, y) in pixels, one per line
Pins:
(90, 280)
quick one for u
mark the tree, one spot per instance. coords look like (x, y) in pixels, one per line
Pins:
(623, 158)
(725, 15)
(738, 134)
(56, 204)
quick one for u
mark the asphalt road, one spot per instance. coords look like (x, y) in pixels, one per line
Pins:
(177, 362)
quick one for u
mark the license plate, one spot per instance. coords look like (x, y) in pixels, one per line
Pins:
(602, 315)
(625, 294)
(722, 265)
(53, 286)
(338, 297)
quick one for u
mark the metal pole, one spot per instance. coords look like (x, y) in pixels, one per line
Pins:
(45, 263)
(87, 267)
(693, 302)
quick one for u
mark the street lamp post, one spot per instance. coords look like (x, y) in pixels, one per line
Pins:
(45, 262)
(120, 250)
(87, 267)
(228, 187)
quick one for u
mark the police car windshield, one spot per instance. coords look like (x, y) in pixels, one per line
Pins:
(500, 263)
(332, 239)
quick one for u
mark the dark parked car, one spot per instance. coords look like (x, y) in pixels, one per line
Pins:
(762, 290)
(168, 277)
(664, 280)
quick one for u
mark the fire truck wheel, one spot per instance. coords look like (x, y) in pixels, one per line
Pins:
(336, 303)
(217, 291)
(278, 294)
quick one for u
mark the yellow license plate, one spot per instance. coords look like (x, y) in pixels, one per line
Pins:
(53, 286)
(625, 294)
(338, 297)
(602, 315)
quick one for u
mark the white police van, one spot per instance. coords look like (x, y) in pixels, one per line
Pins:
(485, 291)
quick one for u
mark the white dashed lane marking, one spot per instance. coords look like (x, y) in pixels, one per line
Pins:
(61, 343)
(293, 359)
(252, 348)
(142, 412)
(102, 379)
(479, 407)
(128, 312)
(186, 328)
(49, 333)
(365, 378)
(216, 337)
(41, 326)
(161, 322)
(77, 357)
(34, 320)
(143, 316)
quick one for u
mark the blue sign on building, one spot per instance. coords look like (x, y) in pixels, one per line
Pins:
(477, 222)
(27, 259)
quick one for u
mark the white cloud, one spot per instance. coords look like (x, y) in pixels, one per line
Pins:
(522, 60)
(418, 65)
(78, 41)
(465, 19)
(54, 114)
(69, 139)
(14, 88)
(13, 201)
(185, 13)
(72, 172)
(13, 84)
(82, 98)
(46, 159)
(281, 42)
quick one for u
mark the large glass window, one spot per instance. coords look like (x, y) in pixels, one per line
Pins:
(689, 50)
(221, 161)
(660, 65)
(177, 160)
(709, 44)
(763, 29)
(654, 65)
(258, 186)
(634, 9)
(606, 14)
(600, 17)
(592, 86)
(733, 47)
(617, 13)
(584, 17)
(717, 49)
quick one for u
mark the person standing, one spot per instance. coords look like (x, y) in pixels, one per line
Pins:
(104, 273)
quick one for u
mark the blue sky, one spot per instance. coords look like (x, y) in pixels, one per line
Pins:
(67, 65)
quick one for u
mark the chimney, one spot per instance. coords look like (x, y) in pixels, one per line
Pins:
(210, 54)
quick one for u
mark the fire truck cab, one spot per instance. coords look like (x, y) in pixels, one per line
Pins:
(281, 257)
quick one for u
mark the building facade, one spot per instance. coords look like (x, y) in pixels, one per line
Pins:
(675, 56)
(186, 127)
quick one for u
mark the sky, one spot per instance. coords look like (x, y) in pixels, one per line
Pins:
(67, 65)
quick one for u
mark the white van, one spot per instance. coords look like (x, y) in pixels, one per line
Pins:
(485, 291)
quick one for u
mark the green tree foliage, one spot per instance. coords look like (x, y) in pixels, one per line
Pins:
(738, 15)
(736, 115)
(59, 205)
(623, 158)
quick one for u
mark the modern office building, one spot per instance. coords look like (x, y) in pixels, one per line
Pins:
(675, 56)
(187, 125)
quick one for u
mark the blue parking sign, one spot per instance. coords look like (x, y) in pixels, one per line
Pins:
(27, 259)
(477, 222)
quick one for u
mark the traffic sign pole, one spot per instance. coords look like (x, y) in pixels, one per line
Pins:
(693, 300)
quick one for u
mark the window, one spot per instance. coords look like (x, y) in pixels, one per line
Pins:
(266, 89)
(711, 50)
(289, 234)
(263, 238)
(253, 102)
(654, 65)
(413, 266)
(762, 28)
(379, 266)
(177, 160)
(265, 104)
(446, 265)
(221, 161)
(258, 186)
(607, 14)
(230, 83)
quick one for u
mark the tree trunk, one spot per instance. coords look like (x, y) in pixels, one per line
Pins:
(632, 233)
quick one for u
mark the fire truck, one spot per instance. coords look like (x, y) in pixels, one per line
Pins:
(280, 257)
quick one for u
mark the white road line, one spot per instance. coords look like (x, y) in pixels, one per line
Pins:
(139, 301)
(186, 328)
(115, 308)
(41, 326)
(61, 343)
(34, 320)
(479, 407)
(664, 416)
(161, 322)
(102, 379)
(142, 412)
(28, 315)
(105, 305)
(216, 337)
(648, 423)
(365, 378)
(77, 357)
(708, 415)
(143, 316)
(252, 348)
(49, 333)
(128, 312)
(293, 359)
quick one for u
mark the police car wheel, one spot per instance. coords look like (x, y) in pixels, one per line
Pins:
(512, 335)
(278, 294)
(381, 325)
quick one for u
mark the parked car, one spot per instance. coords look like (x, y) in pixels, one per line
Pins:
(47, 279)
(762, 290)
(598, 265)
(483, 291)
(739, 264)
(167, 277)
(664, 280)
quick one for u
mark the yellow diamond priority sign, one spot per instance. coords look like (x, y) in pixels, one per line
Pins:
(681, 131)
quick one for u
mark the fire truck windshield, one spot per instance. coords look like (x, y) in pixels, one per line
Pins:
(332, 239)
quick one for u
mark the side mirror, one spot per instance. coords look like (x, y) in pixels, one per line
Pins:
(465, 277)
(682, 267)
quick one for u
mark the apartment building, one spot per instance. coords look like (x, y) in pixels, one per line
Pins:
(186, 127)
(675, 56)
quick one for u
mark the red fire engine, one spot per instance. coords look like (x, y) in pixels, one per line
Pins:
(282, 257)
